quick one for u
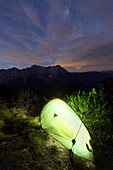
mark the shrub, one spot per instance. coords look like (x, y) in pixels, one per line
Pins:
(96, 111)
(31, 101)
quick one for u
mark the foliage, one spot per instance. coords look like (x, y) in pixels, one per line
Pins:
(55, 148)
(32, 102)
(95, 108)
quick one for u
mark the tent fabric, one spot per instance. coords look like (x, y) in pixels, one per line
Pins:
(62, 123)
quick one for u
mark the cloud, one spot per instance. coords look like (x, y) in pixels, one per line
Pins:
(88, 53)
(101, 52)
(33, 15)
(63, 32)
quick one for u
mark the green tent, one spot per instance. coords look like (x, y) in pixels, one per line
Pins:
(61, 122)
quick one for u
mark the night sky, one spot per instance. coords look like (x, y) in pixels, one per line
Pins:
(76, 34)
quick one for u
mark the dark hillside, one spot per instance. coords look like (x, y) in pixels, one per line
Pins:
(43, 80)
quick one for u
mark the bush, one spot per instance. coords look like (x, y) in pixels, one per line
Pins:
(96, 111)
(32, 102)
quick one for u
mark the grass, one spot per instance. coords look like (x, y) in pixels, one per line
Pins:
(24, 144)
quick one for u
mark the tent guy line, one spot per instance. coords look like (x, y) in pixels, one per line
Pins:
(74, 140)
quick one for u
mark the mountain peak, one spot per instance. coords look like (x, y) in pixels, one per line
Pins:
(54, 70)
(36, 66)
(42, 79)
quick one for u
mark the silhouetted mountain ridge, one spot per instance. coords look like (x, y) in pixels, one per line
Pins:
(50, 79)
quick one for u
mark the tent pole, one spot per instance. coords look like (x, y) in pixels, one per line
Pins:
(71, 159)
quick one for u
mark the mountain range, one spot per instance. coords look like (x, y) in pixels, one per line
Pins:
(51, 79)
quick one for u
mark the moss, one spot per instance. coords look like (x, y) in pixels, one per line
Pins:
(34, 122)
(55, 147)
(2, 124)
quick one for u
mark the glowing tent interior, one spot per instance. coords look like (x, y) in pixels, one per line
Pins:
(62, 123)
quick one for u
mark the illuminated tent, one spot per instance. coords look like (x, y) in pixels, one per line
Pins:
(61, 122)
